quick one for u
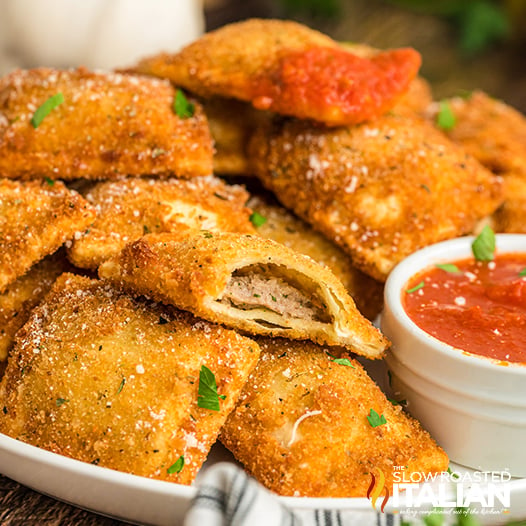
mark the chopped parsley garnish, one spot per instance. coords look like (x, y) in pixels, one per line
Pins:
(121, 386)
(61, 401)
(207, 396)
(448, 267)
(177, 466)
(375, 419)
(483, 247)
(415, 288)
(522, 273)
(445, 117)
(257, 219)
(182, 106)
(397, 402)
(45, 109)
(49, 181)
(343, 361)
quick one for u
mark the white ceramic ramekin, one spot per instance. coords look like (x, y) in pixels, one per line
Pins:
(473, 407)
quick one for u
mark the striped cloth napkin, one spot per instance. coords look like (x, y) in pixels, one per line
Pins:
(227, 496)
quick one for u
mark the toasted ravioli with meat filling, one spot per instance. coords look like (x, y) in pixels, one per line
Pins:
(78, 124)
(288, 68)
(495, 134)
(36, 218)
(307, 425)
(380, 190)
(101, 377)
(245, 282)
(25, 293)
(130, 208)
(279, 224)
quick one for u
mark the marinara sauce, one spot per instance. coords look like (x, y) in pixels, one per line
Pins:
(478, 307)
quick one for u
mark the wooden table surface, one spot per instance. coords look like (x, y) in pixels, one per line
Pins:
(22, 506)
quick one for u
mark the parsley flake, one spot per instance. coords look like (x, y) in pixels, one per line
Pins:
(177, 466)
(45, 109)
(375, 419)
(415, 288)
(445, 118)
(343, 361)
(522, 273)
(397, 402)
(182, 107)
(207, 396)
(61, 401)
(49, 181)
(121, 386)
(448, 267)
(257, 219)
(483, 247)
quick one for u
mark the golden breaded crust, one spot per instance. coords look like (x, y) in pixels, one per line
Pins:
(232, 122)
(288, 68)
(109, 380)
(300, 426)
(130, 208)
(380, 190)
(109, 125)
(36, 217)
(25, 293)
(511, 216)
(248, 283)
(285, 228)
(491, 131)
(222, 62)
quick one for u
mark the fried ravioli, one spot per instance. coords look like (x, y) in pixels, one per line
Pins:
(248, 283)
(36, 218)
(285, 67)
(232, 123)
(25, 293)
(107, 126)
(285, 228)
(380, 190)
(306, 425)
(98, 376)
(495, 134)
(130, 208)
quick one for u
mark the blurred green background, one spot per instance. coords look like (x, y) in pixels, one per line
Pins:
(465, 44)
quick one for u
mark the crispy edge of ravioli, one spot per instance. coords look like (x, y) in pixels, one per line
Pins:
(25, 293)
(511, 216)
(108, 126)
(248, 283)
(380, 190)
(36, 218)
(301, 426)
(98, 376)
(288, 68)
(131, 208)
(283, 226)
(490, 130)
(223, 62)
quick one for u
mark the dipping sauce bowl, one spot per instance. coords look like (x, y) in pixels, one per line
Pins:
(474, 406)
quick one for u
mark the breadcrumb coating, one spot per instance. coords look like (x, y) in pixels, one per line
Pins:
(109, 125)
(36, 218)
(100, 377)
(301, 426)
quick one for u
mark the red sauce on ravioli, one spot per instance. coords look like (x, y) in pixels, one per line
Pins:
(480, 309)
(335, 86)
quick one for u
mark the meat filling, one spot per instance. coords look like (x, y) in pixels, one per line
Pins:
(254, 290)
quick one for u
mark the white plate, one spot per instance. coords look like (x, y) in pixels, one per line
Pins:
(154, 502)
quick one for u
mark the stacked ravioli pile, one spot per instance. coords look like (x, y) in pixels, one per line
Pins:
(193, 250)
